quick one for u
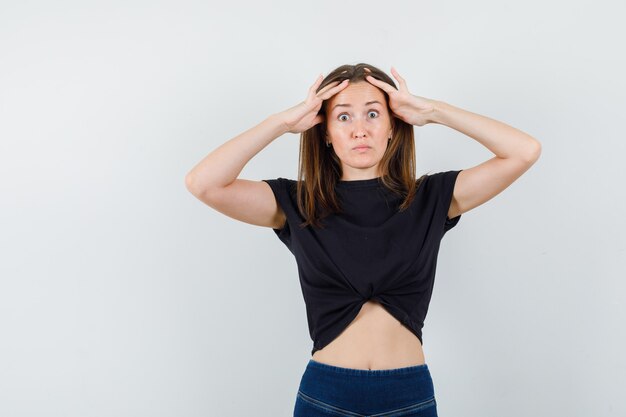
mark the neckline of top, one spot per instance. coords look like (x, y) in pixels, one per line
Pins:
(359, 183)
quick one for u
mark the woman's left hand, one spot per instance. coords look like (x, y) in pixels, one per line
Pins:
(412, 109)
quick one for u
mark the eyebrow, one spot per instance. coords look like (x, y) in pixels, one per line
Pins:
(350, 105)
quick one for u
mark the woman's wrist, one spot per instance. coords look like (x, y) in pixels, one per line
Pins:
(439, 112)
(279, 123)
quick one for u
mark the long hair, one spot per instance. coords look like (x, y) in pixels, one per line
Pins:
(319, 167)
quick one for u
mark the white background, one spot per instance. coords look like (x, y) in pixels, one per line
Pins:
(121, 294)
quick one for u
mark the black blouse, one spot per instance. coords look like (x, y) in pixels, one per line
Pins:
(371, 251)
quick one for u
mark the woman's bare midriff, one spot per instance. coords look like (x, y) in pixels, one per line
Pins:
(374, 340)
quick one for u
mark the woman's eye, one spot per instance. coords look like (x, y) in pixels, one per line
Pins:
(345, 114)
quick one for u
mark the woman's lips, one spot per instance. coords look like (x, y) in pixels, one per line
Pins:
(361, 147)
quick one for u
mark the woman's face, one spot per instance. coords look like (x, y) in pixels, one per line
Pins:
(358, 116)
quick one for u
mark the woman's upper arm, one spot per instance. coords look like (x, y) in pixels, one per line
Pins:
(248, 201)
(481, 183)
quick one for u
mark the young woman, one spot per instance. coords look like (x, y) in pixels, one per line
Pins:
(364, 230)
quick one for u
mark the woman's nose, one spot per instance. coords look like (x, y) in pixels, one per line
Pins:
(359, 127)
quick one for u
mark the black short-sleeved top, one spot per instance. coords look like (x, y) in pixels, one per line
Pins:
(372, 251)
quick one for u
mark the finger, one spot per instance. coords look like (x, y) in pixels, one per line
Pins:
(313, 93)
(325, 88)
(331, 92)
(380, 84)
(326, 94)
(332, 85)
(317, 83)
(399, 78)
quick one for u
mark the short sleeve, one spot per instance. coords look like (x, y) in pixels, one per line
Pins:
(443, 188)
(280, 188)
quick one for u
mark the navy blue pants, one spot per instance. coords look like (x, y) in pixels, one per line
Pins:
(327, 390)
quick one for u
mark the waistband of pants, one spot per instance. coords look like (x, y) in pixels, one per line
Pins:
(366, 391)
(408, 370)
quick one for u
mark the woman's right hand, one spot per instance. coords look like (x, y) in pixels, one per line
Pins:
(305, 115)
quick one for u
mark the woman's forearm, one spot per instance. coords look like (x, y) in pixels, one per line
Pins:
(224, 164)
(501, 139)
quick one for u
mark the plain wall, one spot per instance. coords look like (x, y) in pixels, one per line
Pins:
(121, 294)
